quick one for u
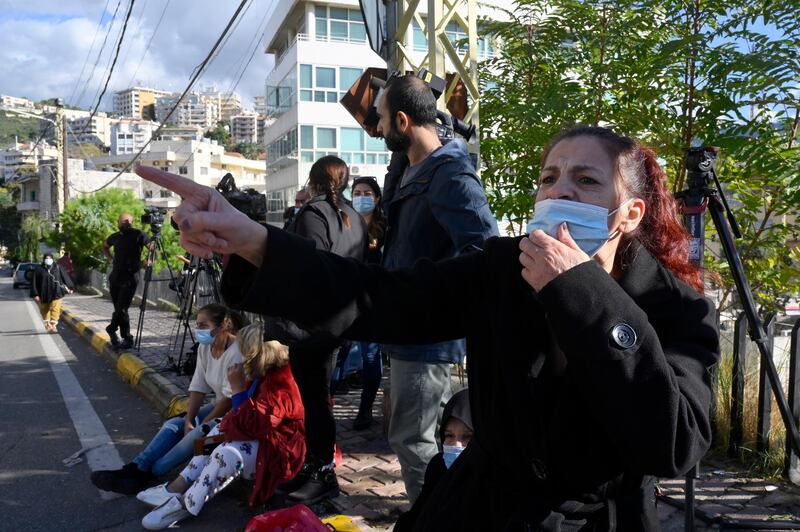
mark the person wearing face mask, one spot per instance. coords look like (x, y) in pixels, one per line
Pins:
(49, 284)
(217, 351)
(300, 199)
(589, 376)
(455, 433)
(366, 194)
(128, 244)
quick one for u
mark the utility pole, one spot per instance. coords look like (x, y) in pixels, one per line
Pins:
(65, 156)
(61, 158)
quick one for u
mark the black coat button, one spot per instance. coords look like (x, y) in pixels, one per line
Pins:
(623, 335)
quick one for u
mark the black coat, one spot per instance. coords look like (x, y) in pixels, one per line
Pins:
(50, 283)
(581, 392)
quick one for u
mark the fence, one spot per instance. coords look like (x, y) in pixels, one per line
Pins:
(741, 361)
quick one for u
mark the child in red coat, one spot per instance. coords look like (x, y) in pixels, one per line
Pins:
(264, 436)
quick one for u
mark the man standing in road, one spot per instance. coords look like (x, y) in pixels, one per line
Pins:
(128, 244)
(436, 209)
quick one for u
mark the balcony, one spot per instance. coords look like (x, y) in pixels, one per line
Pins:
(305, 37)
(28, 206)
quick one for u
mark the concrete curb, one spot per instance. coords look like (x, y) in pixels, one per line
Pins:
(167, 397)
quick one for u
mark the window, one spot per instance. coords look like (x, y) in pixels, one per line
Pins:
(283, 146)
(339, 24)
(307, 137)
(33, 195)
(352, 139)
(326, 77)
(347, 77)
(326, 137)
(183, 170)
(165, 194)
(148, 194)
(165, 168)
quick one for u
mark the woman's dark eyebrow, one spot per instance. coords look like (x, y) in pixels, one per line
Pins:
(584, 168)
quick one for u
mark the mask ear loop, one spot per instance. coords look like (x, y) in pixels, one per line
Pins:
(617, 232)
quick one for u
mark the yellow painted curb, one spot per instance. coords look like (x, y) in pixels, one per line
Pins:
(99, 341)
(130, 368)
(80, 327)
(177, 405)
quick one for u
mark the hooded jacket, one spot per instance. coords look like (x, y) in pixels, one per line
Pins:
(438, 213)
(580, 393)
(273, 416)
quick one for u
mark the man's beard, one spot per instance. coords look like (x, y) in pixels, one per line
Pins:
(396, 141)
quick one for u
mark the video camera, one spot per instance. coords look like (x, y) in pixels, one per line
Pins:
(154, 217)
(248, 200)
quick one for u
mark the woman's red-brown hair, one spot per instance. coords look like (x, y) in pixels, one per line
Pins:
(660, 231)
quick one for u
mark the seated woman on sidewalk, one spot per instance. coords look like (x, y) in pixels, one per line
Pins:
(173, 444)
(455, 432)
(264, 433)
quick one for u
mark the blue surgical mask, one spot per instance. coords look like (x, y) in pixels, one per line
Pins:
(204, 336)
(48, 262)
(587, 223)
(364, 204)
(451, 452)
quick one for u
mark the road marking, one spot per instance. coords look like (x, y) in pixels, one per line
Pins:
(92, 433)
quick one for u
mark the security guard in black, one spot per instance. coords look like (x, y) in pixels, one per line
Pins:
(128, 244)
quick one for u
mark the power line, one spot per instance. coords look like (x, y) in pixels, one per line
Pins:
(99, 52)
(197, 72)
(116, 55)
(149, 42)
(89, 53)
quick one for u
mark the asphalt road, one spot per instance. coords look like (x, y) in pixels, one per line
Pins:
(57, 396)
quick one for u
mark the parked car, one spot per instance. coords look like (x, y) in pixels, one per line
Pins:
(23, 274)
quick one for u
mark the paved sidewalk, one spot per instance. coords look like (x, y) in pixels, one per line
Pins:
(369, 475)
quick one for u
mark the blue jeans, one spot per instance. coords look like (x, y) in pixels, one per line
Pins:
(371, 374)
(169, 447)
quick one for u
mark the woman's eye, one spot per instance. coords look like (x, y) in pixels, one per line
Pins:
(587, 180)
(547, 180)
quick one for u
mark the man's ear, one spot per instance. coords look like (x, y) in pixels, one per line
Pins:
(402, 122)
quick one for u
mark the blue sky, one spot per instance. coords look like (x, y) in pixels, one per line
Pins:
(45, 44)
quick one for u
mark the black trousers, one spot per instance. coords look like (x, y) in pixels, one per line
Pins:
(312, 372)
(122, 286)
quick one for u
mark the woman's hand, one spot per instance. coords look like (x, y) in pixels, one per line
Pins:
(208, 223)
(188, 425)
(236, 377)
(544, 258)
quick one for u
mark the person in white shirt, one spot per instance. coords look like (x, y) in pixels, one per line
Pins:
(174, 443)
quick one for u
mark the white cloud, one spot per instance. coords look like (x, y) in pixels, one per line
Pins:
(43, 46)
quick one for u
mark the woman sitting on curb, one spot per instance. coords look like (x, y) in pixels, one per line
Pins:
(173, 444)
(264, 437)
(50, 283)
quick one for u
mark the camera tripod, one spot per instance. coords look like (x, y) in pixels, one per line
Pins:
(148, 276)
(698, 197)
(201, 279)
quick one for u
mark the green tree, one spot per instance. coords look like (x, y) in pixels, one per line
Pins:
(666, 72)
(10, 219)
(88, 220)
(247, 149)
(220, 133)
(34, 230)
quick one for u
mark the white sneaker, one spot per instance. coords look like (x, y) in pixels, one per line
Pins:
(165, 515)
(155, 496)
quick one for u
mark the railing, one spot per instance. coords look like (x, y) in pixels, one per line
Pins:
(764, 404)
(305, 37)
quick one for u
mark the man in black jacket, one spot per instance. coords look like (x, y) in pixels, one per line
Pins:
(436, 209)
(128, 244)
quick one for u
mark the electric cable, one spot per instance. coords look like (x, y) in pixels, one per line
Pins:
(149, 42)
(198, 71)
(99, 53)
(89, 53)
(116, 55)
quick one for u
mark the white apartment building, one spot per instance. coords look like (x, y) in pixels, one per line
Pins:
(204, 162)
(320, 50)
(97, 133)
(15, 102)
(19, 158)
(137, 102)
(192, 111)
(258, 104)
(129, 135)
(244, 127)
(228, 103)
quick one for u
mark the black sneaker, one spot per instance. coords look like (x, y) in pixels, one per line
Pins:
(127, 343)
(322, 484)
(298, 480)
(129, 480)
(112, 335)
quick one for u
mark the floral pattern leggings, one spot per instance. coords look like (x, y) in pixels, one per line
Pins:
(208, 475)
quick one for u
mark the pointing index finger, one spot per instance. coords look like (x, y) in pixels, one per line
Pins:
(180, 185)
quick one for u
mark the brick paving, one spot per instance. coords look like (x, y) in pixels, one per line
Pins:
(369, 474)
